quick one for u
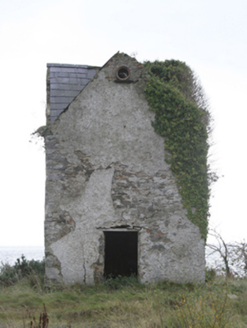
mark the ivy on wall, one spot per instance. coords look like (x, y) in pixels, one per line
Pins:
(181, 117)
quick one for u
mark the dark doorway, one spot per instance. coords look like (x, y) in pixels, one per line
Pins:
(120, 253)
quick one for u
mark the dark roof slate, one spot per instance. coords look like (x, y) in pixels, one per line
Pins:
(64, 83)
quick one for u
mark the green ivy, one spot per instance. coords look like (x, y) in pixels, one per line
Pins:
(174, 94)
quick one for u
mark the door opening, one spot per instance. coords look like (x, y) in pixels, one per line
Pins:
(121, 253)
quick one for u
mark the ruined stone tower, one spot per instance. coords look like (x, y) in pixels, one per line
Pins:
(112, 203)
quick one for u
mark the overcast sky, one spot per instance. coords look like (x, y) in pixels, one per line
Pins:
(210, 36)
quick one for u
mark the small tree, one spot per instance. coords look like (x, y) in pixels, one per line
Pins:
(238, 255)
(222, 249)
(233, 255)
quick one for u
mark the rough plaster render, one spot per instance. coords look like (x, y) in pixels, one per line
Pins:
(106, 170)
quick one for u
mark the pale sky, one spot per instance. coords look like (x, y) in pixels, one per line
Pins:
(210, 36)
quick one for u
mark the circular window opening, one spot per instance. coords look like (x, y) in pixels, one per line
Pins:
(123, 73)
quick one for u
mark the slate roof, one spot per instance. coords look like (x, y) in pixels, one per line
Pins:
(64, 83)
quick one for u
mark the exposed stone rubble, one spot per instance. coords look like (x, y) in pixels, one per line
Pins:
(106, 169)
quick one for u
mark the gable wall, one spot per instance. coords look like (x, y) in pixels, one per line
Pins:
(105, 170)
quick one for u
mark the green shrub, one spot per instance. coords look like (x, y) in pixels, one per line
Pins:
(34, 270)
(210, 274)
(8, 275)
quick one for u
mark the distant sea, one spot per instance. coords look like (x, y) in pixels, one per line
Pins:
(9, 254)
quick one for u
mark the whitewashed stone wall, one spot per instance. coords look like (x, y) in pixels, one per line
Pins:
(105, 169)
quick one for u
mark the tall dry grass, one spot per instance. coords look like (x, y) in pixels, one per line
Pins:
(126, 303)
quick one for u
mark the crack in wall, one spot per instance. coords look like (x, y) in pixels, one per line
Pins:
(85, 272)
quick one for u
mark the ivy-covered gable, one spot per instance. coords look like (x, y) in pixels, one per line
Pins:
(181, 117)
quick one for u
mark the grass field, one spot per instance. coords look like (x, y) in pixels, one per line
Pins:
(125, 303)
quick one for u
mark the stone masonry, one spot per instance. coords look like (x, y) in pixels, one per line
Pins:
(106, 170)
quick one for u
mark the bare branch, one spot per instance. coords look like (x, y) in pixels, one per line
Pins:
(233, 255)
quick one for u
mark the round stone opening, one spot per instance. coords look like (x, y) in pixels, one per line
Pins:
(123, 73)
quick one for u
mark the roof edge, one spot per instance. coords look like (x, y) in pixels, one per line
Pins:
(70, 65)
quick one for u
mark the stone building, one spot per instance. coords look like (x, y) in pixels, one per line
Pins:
(112, 203)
